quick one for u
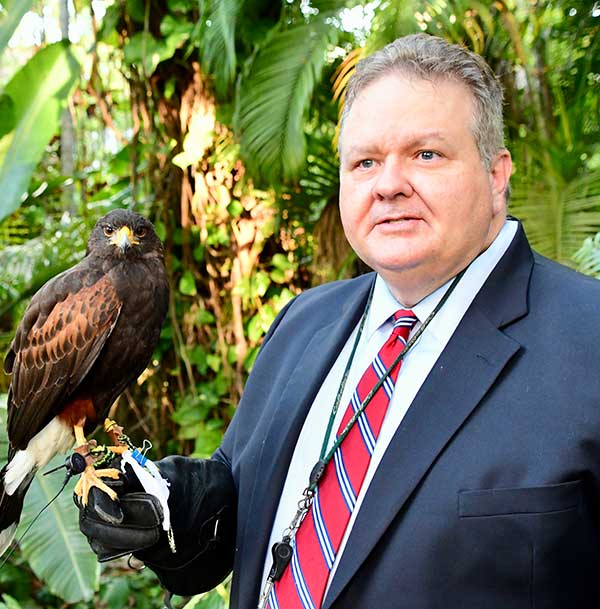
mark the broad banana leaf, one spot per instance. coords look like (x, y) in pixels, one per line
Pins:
(10, 16)
(54, 547)
(37, 95)
(9, 603)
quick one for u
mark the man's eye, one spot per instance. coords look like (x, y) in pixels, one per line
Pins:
(366, 163)
(427, 155)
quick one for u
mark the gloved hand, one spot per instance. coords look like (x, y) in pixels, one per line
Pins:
(202, 503)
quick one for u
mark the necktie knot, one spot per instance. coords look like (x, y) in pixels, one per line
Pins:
(404, 321)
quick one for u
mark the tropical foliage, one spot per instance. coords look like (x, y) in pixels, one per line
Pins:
(217, 119)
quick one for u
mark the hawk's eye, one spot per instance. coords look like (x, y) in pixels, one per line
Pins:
(140, 232)
(109, 230)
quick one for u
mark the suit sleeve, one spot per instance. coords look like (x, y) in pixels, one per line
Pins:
(225, 452)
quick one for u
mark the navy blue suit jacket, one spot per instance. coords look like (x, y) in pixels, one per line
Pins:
(488, 496)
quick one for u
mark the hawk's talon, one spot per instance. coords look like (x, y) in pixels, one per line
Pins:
(118, 450)
(115, 432)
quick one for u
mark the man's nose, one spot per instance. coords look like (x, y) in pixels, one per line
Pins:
(392, 181)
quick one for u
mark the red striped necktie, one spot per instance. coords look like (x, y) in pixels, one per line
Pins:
(317, 541)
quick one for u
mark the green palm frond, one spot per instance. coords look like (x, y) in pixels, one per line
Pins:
(587, 257)
(331, 6)
(558, 216)
(10, 18)
(25, 267)
(15, 230)
(217, 41)
(274, 98)
(319, 182)
(392, 20)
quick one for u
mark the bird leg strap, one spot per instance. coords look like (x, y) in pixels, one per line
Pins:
(120, 441)
(91, 476)
(99, 455)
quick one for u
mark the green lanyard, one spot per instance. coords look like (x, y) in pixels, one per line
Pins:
(325, 457)
(282, 550)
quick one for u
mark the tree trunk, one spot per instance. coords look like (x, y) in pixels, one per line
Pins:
(67, 131)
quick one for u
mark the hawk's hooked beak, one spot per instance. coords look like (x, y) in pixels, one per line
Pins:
(124, 238)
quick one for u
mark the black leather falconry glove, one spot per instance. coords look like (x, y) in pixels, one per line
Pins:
(202, 503)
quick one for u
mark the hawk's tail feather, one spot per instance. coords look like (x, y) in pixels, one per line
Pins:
(10, 509)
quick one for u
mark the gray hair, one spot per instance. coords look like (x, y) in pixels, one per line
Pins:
(431, 58)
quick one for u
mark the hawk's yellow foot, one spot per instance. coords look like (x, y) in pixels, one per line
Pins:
(90, 478)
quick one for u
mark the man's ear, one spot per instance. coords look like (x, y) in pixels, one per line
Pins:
(500, 173)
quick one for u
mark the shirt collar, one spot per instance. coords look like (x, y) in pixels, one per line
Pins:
(384, 305)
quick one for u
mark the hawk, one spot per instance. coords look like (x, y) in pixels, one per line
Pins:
(85, 336)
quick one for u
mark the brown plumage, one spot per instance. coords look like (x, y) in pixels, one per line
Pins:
(85, 336)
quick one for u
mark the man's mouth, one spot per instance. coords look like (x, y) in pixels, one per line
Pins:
(397, 219)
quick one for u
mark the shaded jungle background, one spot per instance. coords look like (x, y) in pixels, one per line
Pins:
(217, 119)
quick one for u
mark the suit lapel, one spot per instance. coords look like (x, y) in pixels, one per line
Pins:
(465, 371)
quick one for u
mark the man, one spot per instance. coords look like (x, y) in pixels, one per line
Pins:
(480, 482)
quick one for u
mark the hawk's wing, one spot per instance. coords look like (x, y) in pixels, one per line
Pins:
(56, 344)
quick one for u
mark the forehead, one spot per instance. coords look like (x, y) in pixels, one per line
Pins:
(122, 217)
(399, 105)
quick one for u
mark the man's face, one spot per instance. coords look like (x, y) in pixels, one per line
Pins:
(416, 201)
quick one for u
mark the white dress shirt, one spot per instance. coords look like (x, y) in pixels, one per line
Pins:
(414, 370)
